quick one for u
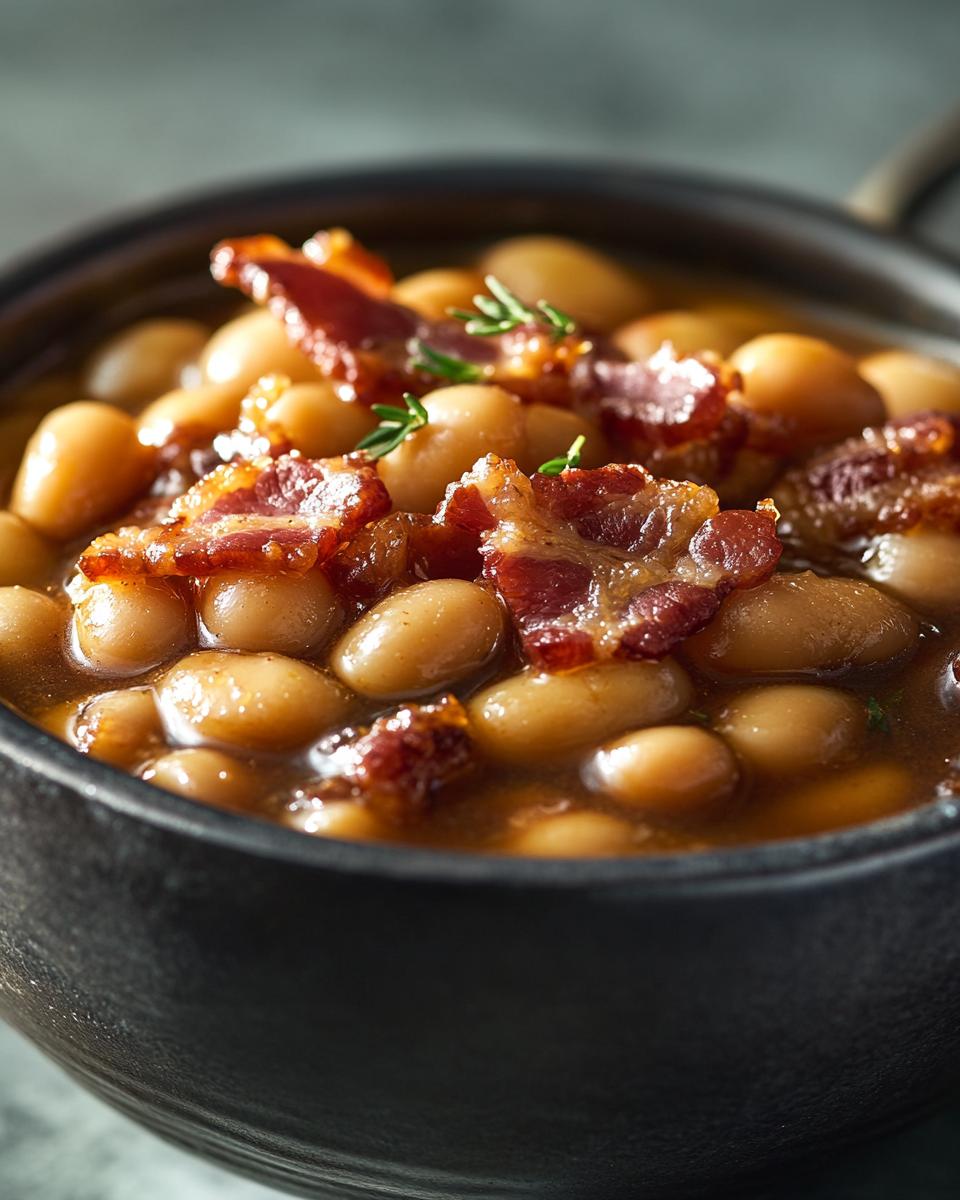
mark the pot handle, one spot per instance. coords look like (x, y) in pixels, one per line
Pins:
(896, 191)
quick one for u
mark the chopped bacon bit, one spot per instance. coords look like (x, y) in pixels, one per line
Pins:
(664, 401)
(609, 563)
(271, 515)
(660, 611)
(400, 549)
(738, 544)
(890, 479)
(338, 314)
(350, 334)
(541, 369)
(337, 250)
(398, 764)
(715, 459)
(256, 436)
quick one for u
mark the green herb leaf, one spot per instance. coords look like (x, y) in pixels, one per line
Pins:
(390, 412)
(512, 305)
(878, 713)
(561, 322)
(877, 719)
(698, 714)
(445, 366)
(396, 424)
(502, 311)
(570, 459)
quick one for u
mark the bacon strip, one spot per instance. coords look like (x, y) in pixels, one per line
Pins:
(400, 549)
(348, 333)
(665, 401)
(609, 563)
(891, 479)
(256, 435)
(397, 764)
(352, 334)
(337, 250)
(270, 515)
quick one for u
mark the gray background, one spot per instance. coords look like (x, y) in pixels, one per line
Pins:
(105, 104)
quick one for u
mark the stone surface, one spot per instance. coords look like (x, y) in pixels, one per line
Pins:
(108, 104)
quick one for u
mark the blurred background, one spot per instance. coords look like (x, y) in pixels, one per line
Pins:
(109, 104)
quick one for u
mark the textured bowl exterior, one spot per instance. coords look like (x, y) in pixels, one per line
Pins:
(363, 1021)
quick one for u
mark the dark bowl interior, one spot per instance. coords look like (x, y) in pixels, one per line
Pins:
(597, 1028)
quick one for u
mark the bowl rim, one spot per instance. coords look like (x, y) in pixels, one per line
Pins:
(791, 862)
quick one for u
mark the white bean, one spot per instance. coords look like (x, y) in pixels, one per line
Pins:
(419, 639)
(532, 717)
(252, 701)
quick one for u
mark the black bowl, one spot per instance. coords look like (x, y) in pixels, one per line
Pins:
(366, 1021)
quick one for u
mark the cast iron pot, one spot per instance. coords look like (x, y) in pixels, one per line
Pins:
(346, 1020)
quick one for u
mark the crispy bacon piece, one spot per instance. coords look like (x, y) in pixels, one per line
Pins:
(397, 764)
(256, 435)
(610, 563)
(663, 402)
(337, 250)
(271, 515)
(401, 549)
(338, 313)
(351, 335)
(891, 479)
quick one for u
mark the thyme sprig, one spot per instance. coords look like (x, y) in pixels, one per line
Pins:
(502, 311)
(571, 459)
(395, 424)
(445, 366)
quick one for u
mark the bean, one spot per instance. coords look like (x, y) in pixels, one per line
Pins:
(83, 464)
(913, 383)
(252, 345)
(289, 614)
(253, 701)
(812, 389)
(666, 770)
(850, 797)
(204, 411)
(747, 318)
(801, 624)
(786, 730)
(31, 629)
(317, 422)
(466, 422)
(339, 819)
(688, 332)
(922, 568)
(419, 639)
(24, 556)
(433, 293)
(573, 835)
(531, 717)
(57, 719)
(551, 431)
(592, 288)
(144, 360)
(200, 773)
(127, 626)
(121, 728)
